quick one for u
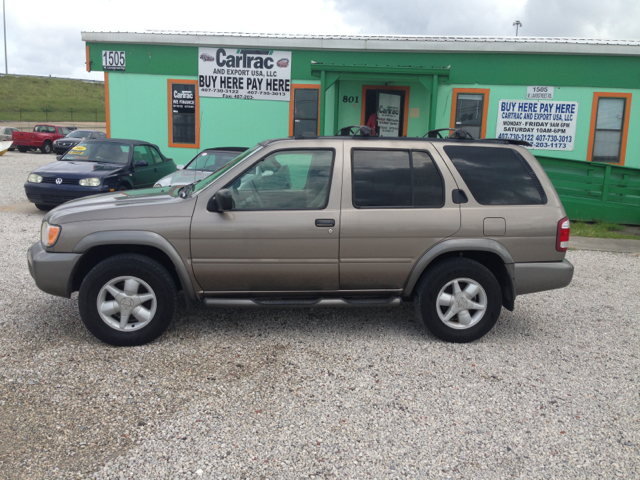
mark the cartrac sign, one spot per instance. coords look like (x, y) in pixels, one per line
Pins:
(545, 125)
(250, 74)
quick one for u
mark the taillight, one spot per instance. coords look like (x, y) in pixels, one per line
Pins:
(562, 236)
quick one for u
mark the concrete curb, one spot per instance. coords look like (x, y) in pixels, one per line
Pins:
(605, 244)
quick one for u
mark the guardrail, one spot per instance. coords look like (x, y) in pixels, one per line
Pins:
(593, 191)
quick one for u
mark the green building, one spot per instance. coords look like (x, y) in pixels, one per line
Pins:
(572, 99)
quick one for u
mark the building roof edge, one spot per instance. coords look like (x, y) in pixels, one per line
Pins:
(406, 43)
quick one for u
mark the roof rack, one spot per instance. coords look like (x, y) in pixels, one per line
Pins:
(457, 133)
(365, 132)
(357, 130)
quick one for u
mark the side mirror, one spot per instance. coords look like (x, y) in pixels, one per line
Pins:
(59, 157)
(142, 163)
(180, 167)
(221, 201)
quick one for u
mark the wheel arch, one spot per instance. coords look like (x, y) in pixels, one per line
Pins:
(100, 245)
(123, 181)
(490, 253)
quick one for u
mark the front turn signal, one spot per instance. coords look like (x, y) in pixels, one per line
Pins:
(49, 234)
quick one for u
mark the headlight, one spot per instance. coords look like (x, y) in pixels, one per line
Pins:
(34, 178)
(49, 234)
(90, 182)
(157, 185)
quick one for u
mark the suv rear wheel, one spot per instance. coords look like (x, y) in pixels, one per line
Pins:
(459, 300)
(127, 300)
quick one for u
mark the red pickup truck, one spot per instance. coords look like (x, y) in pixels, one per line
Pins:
(42, 137)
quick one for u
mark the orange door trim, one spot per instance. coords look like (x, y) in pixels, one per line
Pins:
(106, 103)
(405, 120)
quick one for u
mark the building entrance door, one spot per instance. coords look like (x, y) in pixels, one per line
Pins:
(385, 110)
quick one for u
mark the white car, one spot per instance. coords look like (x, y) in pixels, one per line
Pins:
(201, 166)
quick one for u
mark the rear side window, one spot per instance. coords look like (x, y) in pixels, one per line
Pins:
(395, 179)
(497, 176)
(156, 156)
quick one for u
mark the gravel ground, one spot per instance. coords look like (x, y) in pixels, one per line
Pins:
(551, 392)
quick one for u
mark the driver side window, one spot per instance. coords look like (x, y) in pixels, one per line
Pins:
(285, 180)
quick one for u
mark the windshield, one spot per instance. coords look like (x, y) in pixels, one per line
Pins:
(83, 134)
(103, 152)
(211, 161)
(207, 181)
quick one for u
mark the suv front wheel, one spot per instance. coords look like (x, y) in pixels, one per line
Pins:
(127, 300)
(459, 300)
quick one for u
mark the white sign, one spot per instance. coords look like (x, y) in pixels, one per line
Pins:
(389, 115)
(540, 93)
(113, 60)
(244, 73)
(545, 125)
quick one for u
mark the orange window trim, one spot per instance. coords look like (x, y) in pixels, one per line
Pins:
(405, 120)
(88, 61)
(294, 87)
(485, 106)
(170, 118)
(106, 103)
(625, 125)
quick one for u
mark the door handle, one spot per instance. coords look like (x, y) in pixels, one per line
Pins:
(325, 222)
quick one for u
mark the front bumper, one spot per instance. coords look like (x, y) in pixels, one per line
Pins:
(60, 150)
(52, 271)
(538, 277)
(52, 194)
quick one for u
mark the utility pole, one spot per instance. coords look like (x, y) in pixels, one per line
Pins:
(517, 24)
(4, 20)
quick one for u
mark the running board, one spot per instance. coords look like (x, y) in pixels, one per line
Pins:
(303, 302)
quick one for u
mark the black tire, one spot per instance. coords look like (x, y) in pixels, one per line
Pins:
(466, 273)
(22, 149)
(141, 268)
(46, 147)
(43, 207)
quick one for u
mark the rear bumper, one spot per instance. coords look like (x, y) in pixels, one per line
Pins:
(538, 277)
(52, 271)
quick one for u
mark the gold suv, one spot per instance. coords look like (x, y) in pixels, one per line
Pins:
(460, 227)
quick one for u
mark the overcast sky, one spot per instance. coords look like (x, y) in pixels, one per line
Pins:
(43, 37)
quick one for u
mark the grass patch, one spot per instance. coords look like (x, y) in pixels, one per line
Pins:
(50, 99)
(601, 230)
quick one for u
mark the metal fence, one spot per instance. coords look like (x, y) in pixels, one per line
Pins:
(46, 114)
(593, 191)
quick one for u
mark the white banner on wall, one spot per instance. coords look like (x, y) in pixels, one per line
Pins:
(545, 125)
(249, 74)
